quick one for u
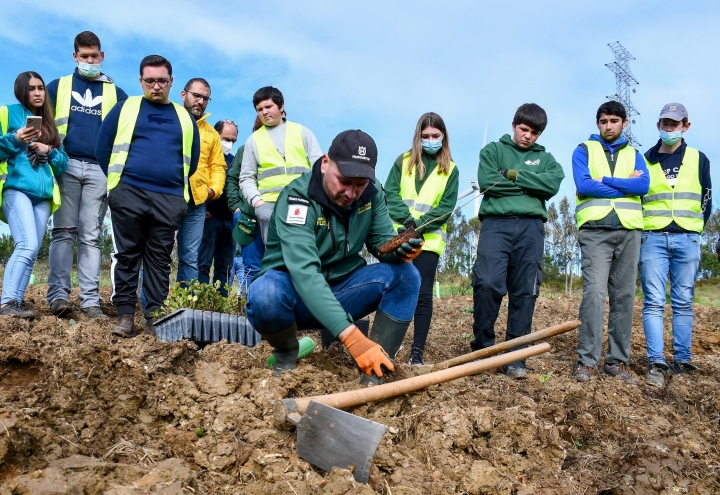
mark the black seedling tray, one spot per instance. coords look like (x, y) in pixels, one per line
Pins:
(206, 326)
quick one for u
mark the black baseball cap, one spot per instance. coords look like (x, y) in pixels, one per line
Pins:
(355, 154)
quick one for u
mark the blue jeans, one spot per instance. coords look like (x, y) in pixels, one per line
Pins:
(189, 237)
(218, 245)
(83, 188)
(27, 222)
(238, 272)
(680, 255)
(252, 255)
(273, 303)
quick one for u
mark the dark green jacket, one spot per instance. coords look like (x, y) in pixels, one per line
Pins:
(400, 212)
(322, 246)
(246, 229)
(538, 179)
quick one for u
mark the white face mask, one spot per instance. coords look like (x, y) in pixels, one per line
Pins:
(226, 146)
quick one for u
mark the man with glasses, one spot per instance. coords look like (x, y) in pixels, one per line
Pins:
(81, 101)
(149, 147)
(206, 183)
(217, 240)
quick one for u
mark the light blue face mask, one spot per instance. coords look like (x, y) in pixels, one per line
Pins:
(431, 147)
(670, 138)
(89, 70)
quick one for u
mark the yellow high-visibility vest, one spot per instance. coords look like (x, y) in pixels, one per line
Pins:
(429, 197)
(126, 125)
(63, 100)
(4, 171)
(629, 210)
(274, 172)
(682, 203)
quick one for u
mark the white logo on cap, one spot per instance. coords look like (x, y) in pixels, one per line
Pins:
(673, 108)
(361, 150)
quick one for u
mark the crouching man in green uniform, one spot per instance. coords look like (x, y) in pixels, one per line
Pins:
(313, 275)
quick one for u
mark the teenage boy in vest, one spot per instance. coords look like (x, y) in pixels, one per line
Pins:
(149, 147)
(81, 101)
(519, 176)
(206, 183)
(610, 176)
(313, 275)
(675, 211)
(275, 154)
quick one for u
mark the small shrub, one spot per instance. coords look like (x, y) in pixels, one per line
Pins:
(205, 297)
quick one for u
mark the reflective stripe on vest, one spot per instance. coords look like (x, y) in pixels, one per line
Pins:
(64, 101)
(682, 204)
(126, 125)
(628, 210)
(4, 171)
(429, 197)
(274, 172)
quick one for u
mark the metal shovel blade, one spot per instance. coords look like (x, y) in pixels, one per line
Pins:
(328, 437)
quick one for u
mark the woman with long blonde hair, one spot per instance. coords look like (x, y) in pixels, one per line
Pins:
(422, 189)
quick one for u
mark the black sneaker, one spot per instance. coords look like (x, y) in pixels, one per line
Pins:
(515, 372)
(60, 307)
(677, 368)
(416, 357)
(94, 313)
(619, 370)
(13, 308)
(656, 374)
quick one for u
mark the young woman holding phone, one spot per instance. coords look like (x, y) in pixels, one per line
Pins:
(422, 189)
(30, 158)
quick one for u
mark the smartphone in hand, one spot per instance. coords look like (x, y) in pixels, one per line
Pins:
(33, 121)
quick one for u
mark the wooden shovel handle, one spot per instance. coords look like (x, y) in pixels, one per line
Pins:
(509, 344)
(352, 398)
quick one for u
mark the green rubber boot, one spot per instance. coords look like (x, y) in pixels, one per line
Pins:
(286, 350)
(389, 333)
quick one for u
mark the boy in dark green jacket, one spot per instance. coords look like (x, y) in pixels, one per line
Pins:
(518, 177)
(313, 275)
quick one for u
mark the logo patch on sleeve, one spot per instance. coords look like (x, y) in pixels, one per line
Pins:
(364, 208)
(297, 214)
(298, 201)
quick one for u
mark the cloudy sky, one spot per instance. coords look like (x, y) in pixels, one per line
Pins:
(378, 65)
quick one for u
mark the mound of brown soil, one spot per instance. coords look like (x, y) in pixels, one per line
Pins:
(84, 412)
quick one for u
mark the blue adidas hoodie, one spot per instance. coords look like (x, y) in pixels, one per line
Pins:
(85, 114)
(36, 183)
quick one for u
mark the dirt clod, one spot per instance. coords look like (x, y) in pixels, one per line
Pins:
(82, 412)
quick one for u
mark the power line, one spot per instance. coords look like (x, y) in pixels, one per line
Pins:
(624, 80)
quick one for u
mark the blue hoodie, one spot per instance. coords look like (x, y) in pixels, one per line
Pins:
(36, 183)
(85, 114)
(609, 187)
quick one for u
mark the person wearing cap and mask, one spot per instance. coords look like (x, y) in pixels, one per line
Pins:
(313, 274)
(675, 211)
(81, 101)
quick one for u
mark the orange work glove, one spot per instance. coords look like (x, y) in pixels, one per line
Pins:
(410, 250)
(367, 354)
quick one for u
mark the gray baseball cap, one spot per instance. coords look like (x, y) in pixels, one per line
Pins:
(674, 111)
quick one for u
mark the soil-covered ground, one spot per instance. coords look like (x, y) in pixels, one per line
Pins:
(82, 412)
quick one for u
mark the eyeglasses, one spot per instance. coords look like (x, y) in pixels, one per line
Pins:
(226, 121)
(198, 96)
(150, 83)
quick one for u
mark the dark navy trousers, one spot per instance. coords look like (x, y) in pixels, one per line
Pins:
(509, 261)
